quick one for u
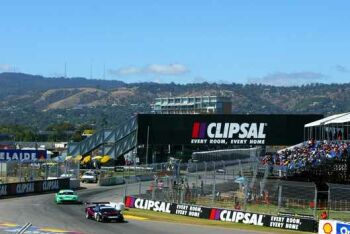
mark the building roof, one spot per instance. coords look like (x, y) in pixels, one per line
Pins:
(328, 120)
(342, 119)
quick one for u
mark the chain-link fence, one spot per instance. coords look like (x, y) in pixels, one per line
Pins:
(297, 198)
(18, 171)
(227, 154)
(338, 203)
(241, 185)
(221, 184)
(174, 169)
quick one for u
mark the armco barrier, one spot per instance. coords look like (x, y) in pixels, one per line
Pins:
(13, 189)
(333, 227)
(224, 215)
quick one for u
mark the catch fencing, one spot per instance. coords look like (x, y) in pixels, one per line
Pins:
(243, 185)
(26, 171)
(338, 203)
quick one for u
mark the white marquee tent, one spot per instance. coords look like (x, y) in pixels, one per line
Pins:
(334, 127)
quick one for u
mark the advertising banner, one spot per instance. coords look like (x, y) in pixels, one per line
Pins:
(224, 215)
(333, 227)
(22, 155)
(14, 189)
(222, 129)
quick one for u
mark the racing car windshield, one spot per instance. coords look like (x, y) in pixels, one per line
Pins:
(67, 193)
(108, 209)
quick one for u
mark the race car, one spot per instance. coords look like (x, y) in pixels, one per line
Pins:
(103, 213)
(66, 196)
(89, 177)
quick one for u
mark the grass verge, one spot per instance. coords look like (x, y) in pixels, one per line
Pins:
(157, 216)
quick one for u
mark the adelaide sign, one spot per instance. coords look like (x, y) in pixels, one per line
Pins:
(224, 215)
(22, 155)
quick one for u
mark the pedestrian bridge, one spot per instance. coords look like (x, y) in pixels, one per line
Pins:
(113, 142)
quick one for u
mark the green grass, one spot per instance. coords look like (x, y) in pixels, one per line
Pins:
(157, 216)
(339, 215)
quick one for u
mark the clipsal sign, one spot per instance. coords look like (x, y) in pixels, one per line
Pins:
(25, 188)
(228, 133)
(158, 206)
(3, 190)
(237, 217)
(50, 185)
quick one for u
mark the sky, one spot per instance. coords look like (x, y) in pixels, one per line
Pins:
(278, 42)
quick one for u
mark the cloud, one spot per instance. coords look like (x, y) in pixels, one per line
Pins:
(6, 68)
(289, 79)
(171, 69)
(342, 69)
(153, 69)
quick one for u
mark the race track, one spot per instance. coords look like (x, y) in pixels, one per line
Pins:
(42, 212)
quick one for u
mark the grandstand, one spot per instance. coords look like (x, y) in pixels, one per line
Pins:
(324, 158)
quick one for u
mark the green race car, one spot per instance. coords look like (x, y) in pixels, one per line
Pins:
(66, 196)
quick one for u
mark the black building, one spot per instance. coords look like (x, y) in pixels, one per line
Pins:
(160, 136)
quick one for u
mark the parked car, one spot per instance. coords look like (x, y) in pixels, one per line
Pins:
(220, 171)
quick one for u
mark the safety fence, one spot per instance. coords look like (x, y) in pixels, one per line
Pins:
(148, 172)
(26, 171)
(245, 186)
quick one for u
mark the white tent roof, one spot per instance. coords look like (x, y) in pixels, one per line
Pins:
(325, 120)
(342, 119)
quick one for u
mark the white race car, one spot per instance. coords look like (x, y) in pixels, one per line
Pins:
(89, 177)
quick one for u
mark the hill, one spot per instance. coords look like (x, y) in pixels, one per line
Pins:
(38, 101)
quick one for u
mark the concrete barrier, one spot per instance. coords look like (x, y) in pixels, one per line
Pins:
(33, 187)
(131, 179)
(120, 180)
(111, 181)
(146, 177)
(74, 183)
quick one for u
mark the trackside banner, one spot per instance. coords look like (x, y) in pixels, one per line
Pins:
(22, 155)
(224, 215)
(14, 189)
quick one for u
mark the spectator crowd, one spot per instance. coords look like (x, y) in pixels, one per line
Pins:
(309, 155)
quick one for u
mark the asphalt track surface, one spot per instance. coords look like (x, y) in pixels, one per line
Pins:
(41, 211)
